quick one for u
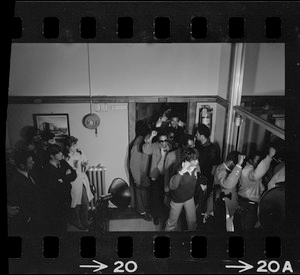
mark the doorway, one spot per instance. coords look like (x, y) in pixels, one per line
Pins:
(150, 112)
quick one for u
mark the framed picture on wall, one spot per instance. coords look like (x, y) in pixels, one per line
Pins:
(58, 124)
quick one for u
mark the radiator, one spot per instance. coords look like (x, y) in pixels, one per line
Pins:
(96, 175)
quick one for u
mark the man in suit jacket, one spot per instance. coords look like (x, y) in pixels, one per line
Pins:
(24, 197)
(162, 168)
(58, 175)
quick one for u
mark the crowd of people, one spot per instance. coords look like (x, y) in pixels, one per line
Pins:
(172, 169)
(47, 187)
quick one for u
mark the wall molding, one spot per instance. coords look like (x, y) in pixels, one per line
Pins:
(111, 99)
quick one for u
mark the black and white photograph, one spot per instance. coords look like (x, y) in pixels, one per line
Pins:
(152, 137)
(58, 124)
(165, 137)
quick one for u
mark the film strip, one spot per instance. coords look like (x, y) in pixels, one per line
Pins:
(167, 22)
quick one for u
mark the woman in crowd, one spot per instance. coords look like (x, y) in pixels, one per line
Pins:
(58, 175)
(182, 189)
(81, 192)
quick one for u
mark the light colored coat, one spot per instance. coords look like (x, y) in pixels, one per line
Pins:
(171, 161)
(82, 179)
(227, 183)
(251, 186)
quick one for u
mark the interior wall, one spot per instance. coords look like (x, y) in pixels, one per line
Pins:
(108, 148)
(223, 87)
(264, 72)
(116, 69)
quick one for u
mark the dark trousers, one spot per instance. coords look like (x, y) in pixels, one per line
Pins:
(203, 196)
(142, 199)
(56, 219)
(157, 196)
(246, 215)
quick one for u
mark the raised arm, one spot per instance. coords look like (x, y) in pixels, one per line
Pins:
(263, 167)
(148, 146)
(231, 180)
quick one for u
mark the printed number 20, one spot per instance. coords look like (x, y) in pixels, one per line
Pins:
(129, 267)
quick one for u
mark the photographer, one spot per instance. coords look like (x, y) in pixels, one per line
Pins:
(251, 188)
(226, 178)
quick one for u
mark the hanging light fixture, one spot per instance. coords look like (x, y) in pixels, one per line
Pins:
(91, 120)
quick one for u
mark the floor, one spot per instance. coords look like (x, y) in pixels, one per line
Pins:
(124, 220)
(121, 220)
(129, 220)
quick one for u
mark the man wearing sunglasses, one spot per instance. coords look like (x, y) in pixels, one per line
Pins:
(163, 160)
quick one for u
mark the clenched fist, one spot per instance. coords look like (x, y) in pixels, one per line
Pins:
(272, 152)
(153, 134)
(241, 159)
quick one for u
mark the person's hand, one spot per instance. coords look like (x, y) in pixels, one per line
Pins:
(60, 180)
(180, 123)
(158, 123)
(272, 152)
(203, 187)
(241, 159)
(153, 134)
(167, 189)
(68, 172)
(186, 167)
(206, 216)
(164, 118)
(84, 163)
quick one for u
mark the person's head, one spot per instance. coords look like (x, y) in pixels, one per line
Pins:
(174, 121)
(202, 133)
(172, 138)
(48, 137)
(54, 152)
(232, 159)
(190, 155)
(30, 134)
(163, 138)
(71, 144)
(189, 141)
(171, 134)
(23, 160)
(254, 158)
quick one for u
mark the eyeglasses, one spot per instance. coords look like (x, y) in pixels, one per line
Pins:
(161, 141)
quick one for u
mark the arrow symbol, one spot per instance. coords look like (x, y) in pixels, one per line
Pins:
(98, 267)
(244, 266)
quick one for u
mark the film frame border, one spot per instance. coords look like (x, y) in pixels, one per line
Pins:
(217, 15)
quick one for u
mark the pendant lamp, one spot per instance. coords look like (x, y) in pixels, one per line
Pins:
(90, 121)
